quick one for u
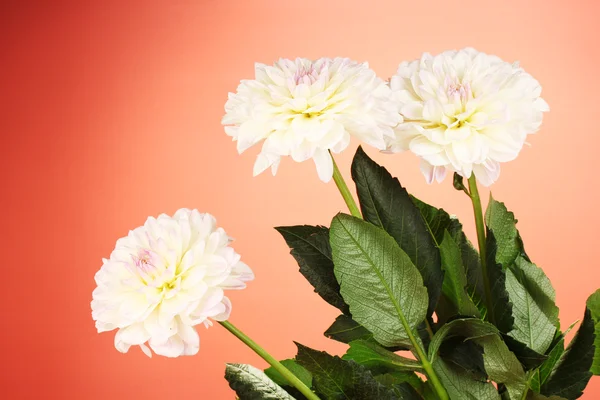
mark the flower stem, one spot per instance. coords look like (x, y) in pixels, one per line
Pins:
(286, 373)
(428, 368)
(345, 192)
(479, 224)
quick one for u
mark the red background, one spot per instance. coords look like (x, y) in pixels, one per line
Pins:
(111, 112)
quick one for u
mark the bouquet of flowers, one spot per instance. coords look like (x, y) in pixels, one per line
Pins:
(425, 313)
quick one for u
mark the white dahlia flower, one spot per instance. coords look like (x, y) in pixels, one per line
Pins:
(464, 111)
(304, 109)
(164, 278)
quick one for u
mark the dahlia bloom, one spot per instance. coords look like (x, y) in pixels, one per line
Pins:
(304, 109)
(465, 111)
(164, 278)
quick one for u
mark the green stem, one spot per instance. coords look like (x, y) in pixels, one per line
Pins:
(289, 376)
(428, 368)
(345, 192)
(479, 224)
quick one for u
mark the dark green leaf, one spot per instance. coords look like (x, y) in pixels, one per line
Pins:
(406, 385)
(464, 328)
(500, 364)
(593, 304)
(438, 222)
(345, 330)
(335, 378)
(385, 203)
(310, 247)
(529, 358)
(501, 313)
(250, 383)
(378, 281)
(465, 355)
(455, 278)
(378, 359)
(296, 369)
(572, 373)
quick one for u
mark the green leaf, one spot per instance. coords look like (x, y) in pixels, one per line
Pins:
(438, 222)
(572, 373)
(345, 330)
(296, 369)
(531, 325)
(310, 247)
(502, 306)
(385, 203)
(378, 281)
(465, 328)
(455, 278)
(406, 385)
(537, 396)
(465, 355)
(500, 363)
(461, 386)
(335, 378)
(378, 359)
(528, 293)
(593, 304)
(543, 372)
(250, 383)
(503, 224)
(529, 358)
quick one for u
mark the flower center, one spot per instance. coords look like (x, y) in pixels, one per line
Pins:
(152, 270)
(459, 92)
(307, 75)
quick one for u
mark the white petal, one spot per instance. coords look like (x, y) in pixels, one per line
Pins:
(324, 164)
(487, 173)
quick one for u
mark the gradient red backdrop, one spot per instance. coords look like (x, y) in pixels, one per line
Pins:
(111, 112)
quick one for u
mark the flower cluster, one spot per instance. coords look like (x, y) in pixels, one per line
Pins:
(461, 111)
(163, 279)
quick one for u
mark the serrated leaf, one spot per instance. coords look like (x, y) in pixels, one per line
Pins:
(250, 383)
(295, 368)
(572, 373)
(378, 281)
(345, 330)
(501, 311)
(310, 247)
(503, 224)
(531, 297)
(593, 304)
(500, 364)
(385, 203)
(531, 325)
(529, 358)
(438, 222)
(461, 386)
(378, 359)
(334, 378)
(455, 278)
